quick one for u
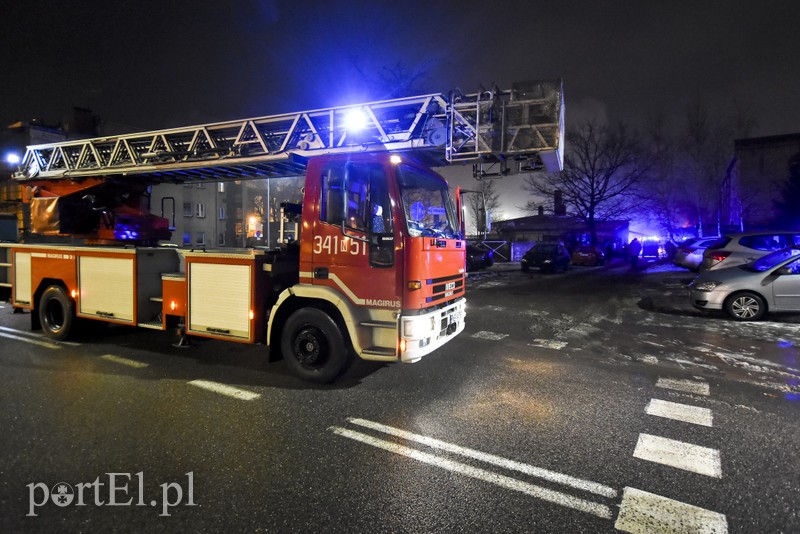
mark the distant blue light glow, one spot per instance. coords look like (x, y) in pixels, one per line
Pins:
(785, 343)
(12, 158)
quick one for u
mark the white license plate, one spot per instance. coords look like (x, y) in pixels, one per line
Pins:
(449, 286)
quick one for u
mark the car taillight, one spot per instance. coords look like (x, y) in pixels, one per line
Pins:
(690, 250)
(719, 255)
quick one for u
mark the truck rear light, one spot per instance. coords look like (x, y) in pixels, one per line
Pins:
(252, 315)
(74, 293)
(173, 305)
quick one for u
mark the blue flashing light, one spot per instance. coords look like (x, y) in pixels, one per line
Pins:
(12, 158)
(355, 120)
(785, 343)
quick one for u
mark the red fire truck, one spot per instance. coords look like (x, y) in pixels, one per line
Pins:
(377, 266)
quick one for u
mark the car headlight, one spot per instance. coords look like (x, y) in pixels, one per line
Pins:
(708, 285)
(547, 261)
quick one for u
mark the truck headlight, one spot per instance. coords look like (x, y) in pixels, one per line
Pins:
(418, 327)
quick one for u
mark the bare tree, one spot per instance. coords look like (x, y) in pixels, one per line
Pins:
(707, 150)
(491, 199)
(395, 81)
(662, 198)
(603, 167)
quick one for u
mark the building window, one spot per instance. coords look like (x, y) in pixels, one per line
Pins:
(201, 209)
(187, 238)
(222, 213)
(187, 209)
(201, 185)
(201, 238)
(221, 187)
(222, 239)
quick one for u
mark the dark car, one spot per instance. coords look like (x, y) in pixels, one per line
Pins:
(588, 255)
(548, 257)
(479, 257)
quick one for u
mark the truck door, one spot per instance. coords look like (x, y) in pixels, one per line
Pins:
(354, 240)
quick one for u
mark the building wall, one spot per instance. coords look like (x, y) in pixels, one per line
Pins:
(762, 167)
(200, 214)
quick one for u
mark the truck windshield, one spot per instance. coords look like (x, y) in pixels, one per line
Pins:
(426, 202)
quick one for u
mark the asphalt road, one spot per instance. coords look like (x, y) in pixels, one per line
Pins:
(595, 400)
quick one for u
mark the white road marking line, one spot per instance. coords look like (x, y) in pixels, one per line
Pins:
(548, 344)
(492, 336)
(38, 336)
(538, 492)
(679, 412)
(224, 389)
(45, 344)
(687, 386)
(645, 513)
(678, 454)
(124, 361)
(505, 463)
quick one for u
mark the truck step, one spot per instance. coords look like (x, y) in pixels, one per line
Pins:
(153, 325)
(156, 299)
(380, 351)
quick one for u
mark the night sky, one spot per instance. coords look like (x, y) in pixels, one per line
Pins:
(146, 65)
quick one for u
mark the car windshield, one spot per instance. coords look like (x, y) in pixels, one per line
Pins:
(769, 261)
(545, 249)
(426, 203)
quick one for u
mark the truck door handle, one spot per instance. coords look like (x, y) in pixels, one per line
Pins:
(321, 272)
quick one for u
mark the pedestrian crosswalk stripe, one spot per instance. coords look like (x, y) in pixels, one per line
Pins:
(679, 412)
(678, 454)
(492, 336)
(687, 386)
(644, 513)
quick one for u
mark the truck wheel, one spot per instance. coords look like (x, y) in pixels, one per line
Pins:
(313, 346)
(56, 313)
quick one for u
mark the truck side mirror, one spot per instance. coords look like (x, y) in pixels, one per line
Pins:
(484, 221)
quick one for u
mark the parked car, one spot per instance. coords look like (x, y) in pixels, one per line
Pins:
(746, 292)
(689, 253)
(549, 257)
(651, 248)
(737, 249)
(588, 255)
(479, 256)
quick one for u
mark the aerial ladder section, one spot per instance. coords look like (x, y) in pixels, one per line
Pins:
(501, 131)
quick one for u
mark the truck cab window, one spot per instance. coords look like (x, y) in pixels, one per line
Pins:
(355, 193)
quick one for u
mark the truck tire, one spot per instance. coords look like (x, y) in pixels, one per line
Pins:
(313, 346)
(56, 313)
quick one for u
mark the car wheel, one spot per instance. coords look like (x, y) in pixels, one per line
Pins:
(745, 306)
(313, 346)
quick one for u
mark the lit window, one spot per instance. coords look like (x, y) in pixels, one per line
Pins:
(221, 187)
(222, 213)
(201, 209)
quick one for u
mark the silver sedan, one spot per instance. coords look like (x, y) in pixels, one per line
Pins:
(746, 292)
